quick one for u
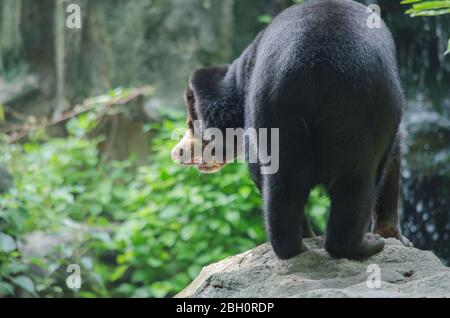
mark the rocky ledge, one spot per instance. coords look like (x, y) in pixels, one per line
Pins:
(404, 272)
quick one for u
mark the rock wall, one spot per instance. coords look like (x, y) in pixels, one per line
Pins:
(121, 43)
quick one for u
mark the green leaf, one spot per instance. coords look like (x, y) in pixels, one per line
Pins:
(427, 8)
(25, 283)
(427, 13)
(7, 243)
(431, 5)
(154, 262)
(2, 113)
(188, 232)
(194, 270)
(245, 191)
(169, 212)
(16, 268)
(118, 273)
(409, 1)
(266, 19)
(6, 289)
(232, 217)
(160, 289)
(169, 238)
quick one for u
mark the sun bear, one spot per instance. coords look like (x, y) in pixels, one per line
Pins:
(328, 81)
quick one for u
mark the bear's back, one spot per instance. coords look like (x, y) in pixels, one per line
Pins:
(337, 33)
(322, 51)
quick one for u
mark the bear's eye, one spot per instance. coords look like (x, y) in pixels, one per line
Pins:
(190, 96)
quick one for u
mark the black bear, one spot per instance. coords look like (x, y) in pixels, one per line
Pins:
(327, 79)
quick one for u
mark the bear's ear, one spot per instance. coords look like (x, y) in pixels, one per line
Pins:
(189, 98)
(206, 88)
(205, 83)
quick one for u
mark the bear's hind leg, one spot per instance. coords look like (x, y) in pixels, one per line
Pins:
(352, 201)
(284, 207)
(307, 229)
(386, 220)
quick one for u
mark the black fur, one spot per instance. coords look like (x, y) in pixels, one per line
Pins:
(330, 83)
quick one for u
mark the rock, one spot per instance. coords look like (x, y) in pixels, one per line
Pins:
(11, 92)
(405, 272)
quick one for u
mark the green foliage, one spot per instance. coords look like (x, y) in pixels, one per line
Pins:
(426, 8)
(142, 232)
(11, 269)
(267, 19)
(2, 113)
(317, 210)
(180, 221)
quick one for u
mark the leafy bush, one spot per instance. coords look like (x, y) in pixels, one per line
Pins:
(139, 233)
(180, 221)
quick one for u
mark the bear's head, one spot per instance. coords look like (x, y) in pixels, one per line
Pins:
(207, 98)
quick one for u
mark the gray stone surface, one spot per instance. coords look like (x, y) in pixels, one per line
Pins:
(405, 272)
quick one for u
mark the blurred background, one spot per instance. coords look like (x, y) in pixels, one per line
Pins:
(86, 118)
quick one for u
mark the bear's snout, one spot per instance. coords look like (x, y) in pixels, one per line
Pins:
(188, 151)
